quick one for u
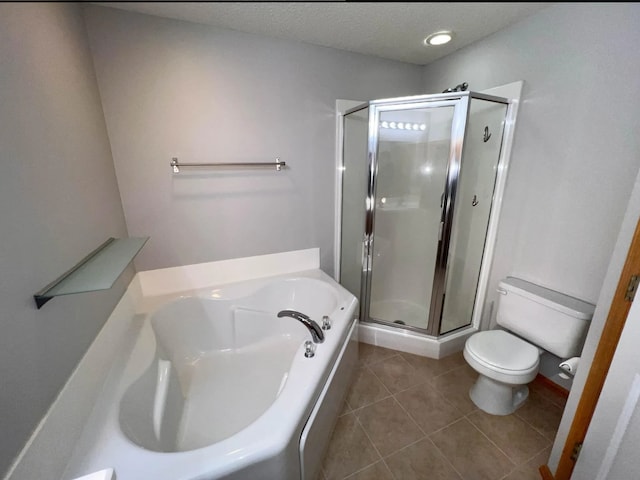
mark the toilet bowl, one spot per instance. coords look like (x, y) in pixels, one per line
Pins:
(543, 320)
(505, 364)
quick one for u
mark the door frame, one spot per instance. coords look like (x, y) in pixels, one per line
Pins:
(341, 108)
(612, 330)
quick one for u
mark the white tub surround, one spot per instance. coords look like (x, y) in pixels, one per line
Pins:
(106, 474)
(213, 384)
(154, 283)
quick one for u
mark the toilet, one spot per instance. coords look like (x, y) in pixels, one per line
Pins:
(534, 319)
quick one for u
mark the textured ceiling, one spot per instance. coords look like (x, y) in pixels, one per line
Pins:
(390, 30)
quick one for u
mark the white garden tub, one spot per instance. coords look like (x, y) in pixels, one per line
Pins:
(215, 385)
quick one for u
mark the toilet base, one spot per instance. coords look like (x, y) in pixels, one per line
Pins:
(497, 398)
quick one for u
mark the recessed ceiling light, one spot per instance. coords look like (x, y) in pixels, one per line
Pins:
(439, 38)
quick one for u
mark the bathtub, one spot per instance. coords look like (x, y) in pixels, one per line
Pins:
(213, 385)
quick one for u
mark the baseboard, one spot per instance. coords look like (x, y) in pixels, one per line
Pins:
(551, 385)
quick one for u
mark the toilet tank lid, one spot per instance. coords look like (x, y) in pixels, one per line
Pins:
(559, 301)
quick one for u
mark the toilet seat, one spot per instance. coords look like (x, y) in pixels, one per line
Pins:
(502, 357)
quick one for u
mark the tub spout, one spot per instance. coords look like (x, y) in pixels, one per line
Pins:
(314, 329)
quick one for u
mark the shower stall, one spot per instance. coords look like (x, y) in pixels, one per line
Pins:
(418, 180)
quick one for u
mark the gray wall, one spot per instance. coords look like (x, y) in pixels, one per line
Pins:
(58, 201)
(575, 155)
(171, 88)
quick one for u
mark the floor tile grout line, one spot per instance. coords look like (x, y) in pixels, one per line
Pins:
(372, 403)
(412, 386)
(402, 354)
(446, 426)
(492, 443)
(366, 434)
(450, 370)
(454, 368)
(389, 470)
(405, 389)
(367, 363)
(505, 453)
(357, 420)
(383, 386)
(410, 417)
(445, 457)
(359, 424)
(517, 467)
(449, 403)
(442, 396)
(346, 395)
(535, 428)
(534, 456)
(424, 435)
(428, 381)
(513, 470)
(361, 470)
(442, 428)
(381, 382)
(351, 475)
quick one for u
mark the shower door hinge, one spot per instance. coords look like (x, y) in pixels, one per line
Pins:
(575, 453)
(366, 254)
(632, 288)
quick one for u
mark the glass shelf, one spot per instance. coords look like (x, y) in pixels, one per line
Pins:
(97, 271)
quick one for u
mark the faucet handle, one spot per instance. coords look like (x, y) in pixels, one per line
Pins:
(309, 349)
(326, 323)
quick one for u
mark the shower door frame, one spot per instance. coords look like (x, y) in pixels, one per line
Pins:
(461, 103)
(458, 123)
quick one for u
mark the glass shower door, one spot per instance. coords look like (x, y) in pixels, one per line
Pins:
(410, 195)
(474, 197)
(354, 192)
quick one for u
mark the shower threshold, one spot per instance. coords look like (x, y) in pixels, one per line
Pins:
(407, 339)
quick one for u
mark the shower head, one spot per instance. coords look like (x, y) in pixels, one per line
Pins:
(462, 87)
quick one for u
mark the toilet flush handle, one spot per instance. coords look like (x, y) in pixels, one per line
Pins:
(501, 291)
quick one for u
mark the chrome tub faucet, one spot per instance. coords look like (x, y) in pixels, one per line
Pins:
(314, 329)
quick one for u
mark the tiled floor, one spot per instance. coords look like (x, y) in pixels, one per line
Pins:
(409, 417)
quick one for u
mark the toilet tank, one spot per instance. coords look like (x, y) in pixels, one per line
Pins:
(550, 320)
